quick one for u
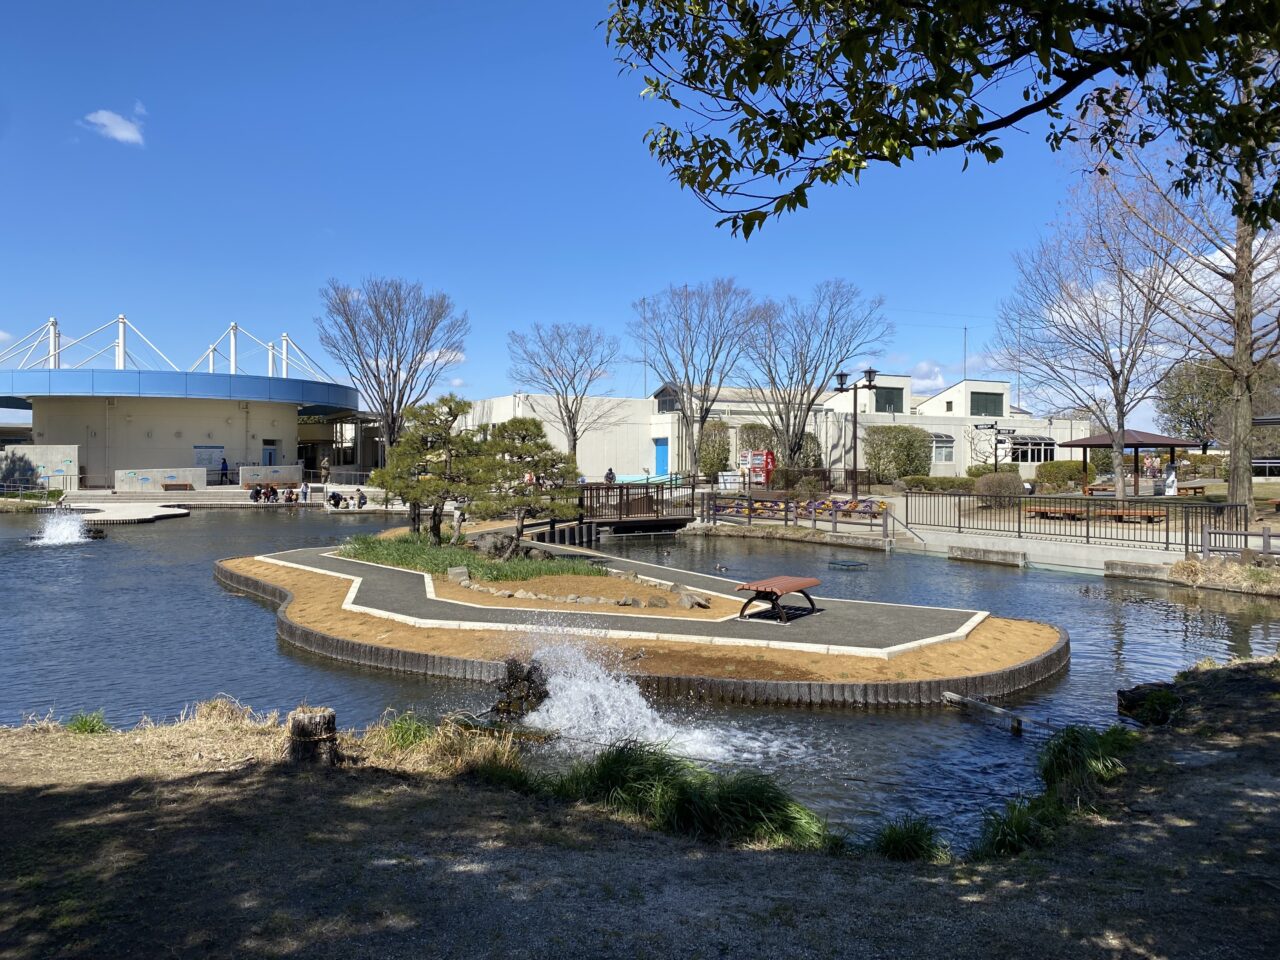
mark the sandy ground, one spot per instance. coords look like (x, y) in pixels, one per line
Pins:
(188, 841)
(995, 643)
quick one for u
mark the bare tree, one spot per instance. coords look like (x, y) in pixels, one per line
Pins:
(565, 361)
(1084, 325)
(1227, 292)
(798, 346)
(394, 340)
(692, 339)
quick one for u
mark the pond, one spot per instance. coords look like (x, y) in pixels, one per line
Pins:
(136, 625)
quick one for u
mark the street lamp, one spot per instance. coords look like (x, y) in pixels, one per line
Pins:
(843, 386)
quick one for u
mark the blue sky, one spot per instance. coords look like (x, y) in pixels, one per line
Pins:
(492, 151)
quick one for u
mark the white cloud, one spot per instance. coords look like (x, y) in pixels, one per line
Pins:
(4, 335)
(927, 378)
(457, 382)
(139, 109)
(109, 124)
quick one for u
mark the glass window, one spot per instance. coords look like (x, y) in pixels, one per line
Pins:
(944, 451)
(986, 404)
(889, 400)
(950, 406)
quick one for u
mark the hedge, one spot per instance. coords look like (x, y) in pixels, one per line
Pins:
(1064, 472)
(893, 451)
(982, 469)
(996, 489)
(943, 484)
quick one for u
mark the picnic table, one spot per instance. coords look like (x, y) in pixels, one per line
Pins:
(1057, 512)
(1194, 487)
(773, 589)
(1132, 513)
(1093, 488)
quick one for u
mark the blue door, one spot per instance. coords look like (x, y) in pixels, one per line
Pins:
(660, 462)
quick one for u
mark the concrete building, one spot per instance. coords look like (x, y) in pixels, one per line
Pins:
(101, 427)
(643, 436)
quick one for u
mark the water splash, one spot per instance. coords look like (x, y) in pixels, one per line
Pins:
(61, 528)
(589, 706)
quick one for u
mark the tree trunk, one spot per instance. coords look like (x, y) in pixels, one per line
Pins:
(415, 518)
(312, 737)
(1117, 462)
(434, 524)
(514, 545)
(1240, 476)
(457, 525)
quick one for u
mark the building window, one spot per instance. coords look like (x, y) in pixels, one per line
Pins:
(889, 400)
(668, 402)
(944, 448)
(1031, 449)
(950, 406)
(986, 404)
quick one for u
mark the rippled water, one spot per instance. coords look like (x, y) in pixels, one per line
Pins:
(136, 625)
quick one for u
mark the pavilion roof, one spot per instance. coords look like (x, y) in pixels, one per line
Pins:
(1132, 438)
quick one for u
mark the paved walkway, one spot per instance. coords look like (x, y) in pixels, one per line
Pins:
(850, 627)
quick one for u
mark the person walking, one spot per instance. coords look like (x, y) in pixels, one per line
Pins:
(224, 470)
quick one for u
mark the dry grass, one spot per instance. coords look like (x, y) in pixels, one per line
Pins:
(1222, 573)
(609, 588)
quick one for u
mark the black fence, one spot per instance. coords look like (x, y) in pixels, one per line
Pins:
(1150, 523)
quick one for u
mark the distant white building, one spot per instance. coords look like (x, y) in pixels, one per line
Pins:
(643, 436)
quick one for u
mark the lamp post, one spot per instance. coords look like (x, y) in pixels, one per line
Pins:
(843, 386)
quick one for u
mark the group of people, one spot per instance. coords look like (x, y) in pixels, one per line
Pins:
(269, 494)
(338, 501)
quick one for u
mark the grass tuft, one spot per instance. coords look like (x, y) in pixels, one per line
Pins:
(447, 749)
(910, 837)
(1076, 759)
(82, 722)
(675, 795)
(415, 553)
(1020, 825)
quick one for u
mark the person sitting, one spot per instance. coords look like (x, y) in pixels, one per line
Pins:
(361, 499)
(256, 493)
(290, 496)
(610, 477)
(273, 495)
(346, 503)
(335, 499)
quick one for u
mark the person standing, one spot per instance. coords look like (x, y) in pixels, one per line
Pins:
(324, 470)
(303, 491)
(224, 471)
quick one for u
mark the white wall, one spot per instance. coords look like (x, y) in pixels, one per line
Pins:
(131, 433)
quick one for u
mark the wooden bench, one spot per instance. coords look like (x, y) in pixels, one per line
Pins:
(773, 589)
(1195, 488)
(1120, 516)
(1094, 488)
(1276, 504)
(176, 486)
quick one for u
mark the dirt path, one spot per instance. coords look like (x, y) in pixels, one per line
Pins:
(186, 841)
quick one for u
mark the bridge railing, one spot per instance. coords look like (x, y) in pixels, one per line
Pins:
(636, 501)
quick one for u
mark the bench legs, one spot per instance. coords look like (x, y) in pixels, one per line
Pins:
(772, 599)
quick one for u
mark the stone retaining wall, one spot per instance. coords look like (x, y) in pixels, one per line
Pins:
(777, 693)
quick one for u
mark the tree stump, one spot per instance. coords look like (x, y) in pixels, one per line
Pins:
(311, 737)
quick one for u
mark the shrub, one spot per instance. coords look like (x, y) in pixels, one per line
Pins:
(1064, 472)
(999, 489)
(1102, 461)
(755, 436)
(713, 454)
(894, 450)
(982, 469)
(1158, 708)
(910, 837)
(810, 487)
(82, 722)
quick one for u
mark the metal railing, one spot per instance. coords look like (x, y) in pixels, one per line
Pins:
(25, 490)
(831, 515)
(635, 501)
(1149, 523)
(1263, 542)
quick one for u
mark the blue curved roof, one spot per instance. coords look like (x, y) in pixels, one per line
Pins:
(313, 397)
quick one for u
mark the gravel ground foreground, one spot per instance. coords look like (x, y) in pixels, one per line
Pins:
(187, 840)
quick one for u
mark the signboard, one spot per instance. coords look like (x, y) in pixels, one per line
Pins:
(208, 456)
